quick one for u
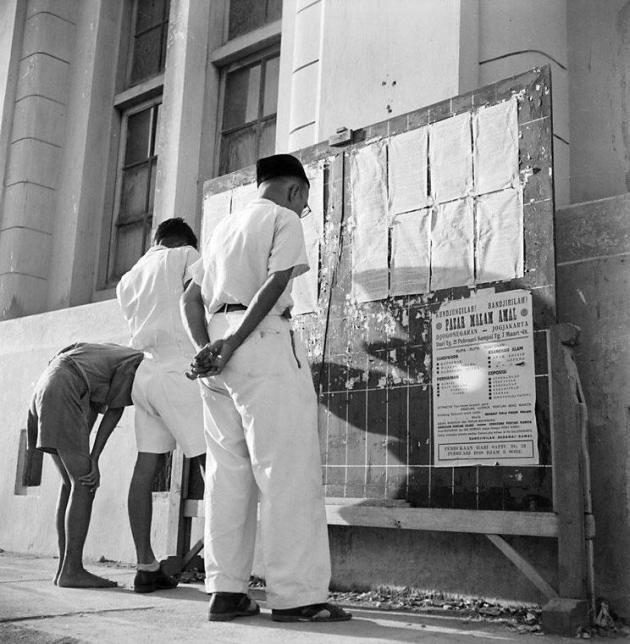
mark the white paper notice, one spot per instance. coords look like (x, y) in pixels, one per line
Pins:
(305, 291)
(305, 286)
(450, 152)
(452, 245)
(484, 390)
(369, 221)
(500, 235)
(495, 135)
(407, 171)
(315, 174)
(243, 195)
(410, 261)
(215, 208)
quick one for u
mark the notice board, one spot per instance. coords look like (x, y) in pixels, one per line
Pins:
(366, 314)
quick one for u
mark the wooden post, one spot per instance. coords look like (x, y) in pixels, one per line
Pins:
(568, 493)
(175, 520)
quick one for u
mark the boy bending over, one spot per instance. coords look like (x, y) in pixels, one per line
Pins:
(80, 382)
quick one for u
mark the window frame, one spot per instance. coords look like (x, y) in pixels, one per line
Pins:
(127, 99)
(128, 110)
(245, 34)
(250, 59)
(131, 42)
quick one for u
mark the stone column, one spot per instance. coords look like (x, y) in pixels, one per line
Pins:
(35, 144)
(177, 193)
(305, 70)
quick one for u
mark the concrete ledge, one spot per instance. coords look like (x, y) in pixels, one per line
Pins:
(563, 616)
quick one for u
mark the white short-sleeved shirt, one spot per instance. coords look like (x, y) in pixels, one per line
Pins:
(149, 297)
(244, 249)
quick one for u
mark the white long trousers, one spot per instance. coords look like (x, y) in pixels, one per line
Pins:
(260, 417)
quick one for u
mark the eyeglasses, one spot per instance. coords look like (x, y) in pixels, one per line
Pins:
(305, 212)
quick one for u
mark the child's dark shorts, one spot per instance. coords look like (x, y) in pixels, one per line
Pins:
(59, 411)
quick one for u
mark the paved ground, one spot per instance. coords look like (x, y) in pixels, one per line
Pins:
(33, 610)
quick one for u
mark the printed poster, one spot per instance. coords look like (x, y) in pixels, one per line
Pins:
(305, 287)
(215, 208)
(243, 196)
(409, 268)
(495, 132)
(370, 274)
(407, 171)
(450, 154)
(452, 245)
(484, 391)
(499, 236)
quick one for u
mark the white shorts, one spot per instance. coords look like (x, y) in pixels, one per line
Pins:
(168, 409)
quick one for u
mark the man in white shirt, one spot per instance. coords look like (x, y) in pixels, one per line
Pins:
(260, 408)
(167, 405)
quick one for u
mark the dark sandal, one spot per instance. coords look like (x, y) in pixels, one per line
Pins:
(311, 613)
(224, 607)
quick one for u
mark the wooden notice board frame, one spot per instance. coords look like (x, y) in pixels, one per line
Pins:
(557, 508)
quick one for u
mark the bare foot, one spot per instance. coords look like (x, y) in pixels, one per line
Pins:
(83, 579)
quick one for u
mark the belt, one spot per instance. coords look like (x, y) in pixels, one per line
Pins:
(228, 308)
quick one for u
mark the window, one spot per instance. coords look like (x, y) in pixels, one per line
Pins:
(136, 179)
(247, 15)
(248, 128)
(138, 106)
(249, 67)
(149, 39)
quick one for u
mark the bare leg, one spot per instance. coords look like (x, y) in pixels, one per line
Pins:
(78, 513)
(60, 519)
(140, 505)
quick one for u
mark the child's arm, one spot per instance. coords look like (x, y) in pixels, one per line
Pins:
(193, 314)
(108, 424)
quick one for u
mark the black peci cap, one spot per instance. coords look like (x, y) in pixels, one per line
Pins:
(279, 165)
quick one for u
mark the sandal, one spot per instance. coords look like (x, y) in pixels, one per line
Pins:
(311, 613)
(224, 607)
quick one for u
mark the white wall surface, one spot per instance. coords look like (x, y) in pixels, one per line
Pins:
(384, 59)
(599, 47)
(515, 36)
(357, 62)
(27, 521)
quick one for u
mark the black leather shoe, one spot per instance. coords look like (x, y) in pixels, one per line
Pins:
(226, 606)
(148, 582)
